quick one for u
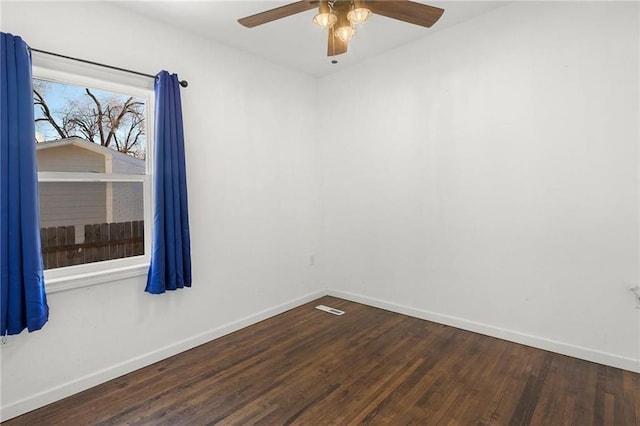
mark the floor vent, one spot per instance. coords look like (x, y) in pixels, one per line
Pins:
(331, 310)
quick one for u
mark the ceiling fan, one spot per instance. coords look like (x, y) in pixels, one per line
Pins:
(340, 17)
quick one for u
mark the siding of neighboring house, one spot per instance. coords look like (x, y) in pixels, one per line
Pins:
(127, 197)
(126, 164)
(70, 158)
(72, 203)
(82, 203)
(127, 204)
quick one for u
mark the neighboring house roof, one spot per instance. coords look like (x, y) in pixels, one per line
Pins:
(90, 146)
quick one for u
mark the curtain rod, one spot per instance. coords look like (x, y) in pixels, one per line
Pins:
(183, 83)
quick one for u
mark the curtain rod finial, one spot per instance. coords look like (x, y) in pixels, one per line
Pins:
(184, 83)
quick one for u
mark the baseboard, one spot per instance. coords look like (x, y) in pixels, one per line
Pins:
(55, 394)
(613, 360)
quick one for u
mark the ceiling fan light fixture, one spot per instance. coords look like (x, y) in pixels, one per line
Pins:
(343, 30)
(359, 15)
(345, 33)
(325, 20)
(325, 17)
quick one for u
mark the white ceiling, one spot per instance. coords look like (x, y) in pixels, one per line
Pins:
(294, 41)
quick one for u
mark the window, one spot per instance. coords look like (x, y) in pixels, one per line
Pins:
(93, 156)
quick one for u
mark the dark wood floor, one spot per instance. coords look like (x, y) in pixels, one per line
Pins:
(367, 366)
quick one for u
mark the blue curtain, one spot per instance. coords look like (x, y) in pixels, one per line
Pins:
(24, 302)
(171, 246)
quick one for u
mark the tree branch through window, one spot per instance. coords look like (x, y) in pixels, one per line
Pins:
(113, 121)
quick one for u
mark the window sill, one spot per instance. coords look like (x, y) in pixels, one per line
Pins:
(59, 284)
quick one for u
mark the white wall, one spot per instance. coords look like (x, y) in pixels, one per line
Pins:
(252, 194)
(487, 177)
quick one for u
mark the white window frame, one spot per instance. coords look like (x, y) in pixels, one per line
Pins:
(76, 276)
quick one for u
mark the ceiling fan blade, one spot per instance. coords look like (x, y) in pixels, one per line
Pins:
(277, 13)
(335, 45)
(407, 11)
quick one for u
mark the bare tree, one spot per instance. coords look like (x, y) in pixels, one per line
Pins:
(38, 100)
(111, 122)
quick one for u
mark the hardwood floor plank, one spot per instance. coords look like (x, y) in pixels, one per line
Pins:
(371, 410)
(368, 366)
(631, 404)
(528, 400)
(584, 379)
(598, 403)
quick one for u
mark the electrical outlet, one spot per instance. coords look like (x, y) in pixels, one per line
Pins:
(5, 341)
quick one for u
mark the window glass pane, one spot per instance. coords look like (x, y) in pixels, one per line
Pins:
(81, 129)
(84, 222)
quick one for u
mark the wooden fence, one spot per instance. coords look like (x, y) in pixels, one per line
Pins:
(102, 241)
